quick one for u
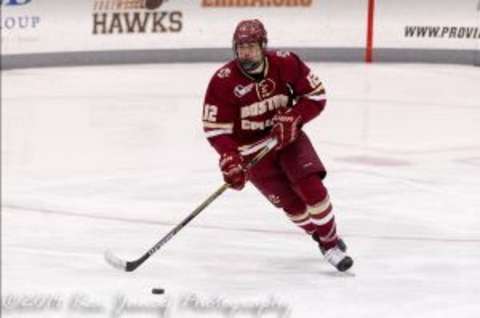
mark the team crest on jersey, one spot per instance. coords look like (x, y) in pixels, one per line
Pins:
(241, 90)
(224, 72)
(283, 54)
(266, 88)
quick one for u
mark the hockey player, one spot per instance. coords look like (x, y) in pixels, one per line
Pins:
(264, 93)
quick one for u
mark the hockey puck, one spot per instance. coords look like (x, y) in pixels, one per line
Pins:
(158, 291)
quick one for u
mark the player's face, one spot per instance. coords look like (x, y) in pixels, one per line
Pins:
(250, 55)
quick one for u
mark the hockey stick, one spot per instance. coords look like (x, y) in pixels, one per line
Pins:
(130, 266)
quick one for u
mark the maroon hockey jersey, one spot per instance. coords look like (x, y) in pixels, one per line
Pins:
(238, 109)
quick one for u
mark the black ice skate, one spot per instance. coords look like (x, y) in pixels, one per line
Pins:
(340, 244)
(339, 259)
(336, 255)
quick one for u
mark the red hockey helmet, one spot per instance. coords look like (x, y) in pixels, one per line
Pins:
(248, 31)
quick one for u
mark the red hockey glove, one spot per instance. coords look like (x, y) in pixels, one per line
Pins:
(231, 164)
(286, 126)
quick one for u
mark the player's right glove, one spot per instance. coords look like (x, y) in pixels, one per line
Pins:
(231, 164)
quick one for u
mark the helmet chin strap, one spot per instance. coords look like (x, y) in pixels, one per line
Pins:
(252, 67)
(259, 68)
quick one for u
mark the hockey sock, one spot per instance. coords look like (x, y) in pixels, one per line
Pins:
(303, 220)
(315, 195)
(297, 212)
(324, 220)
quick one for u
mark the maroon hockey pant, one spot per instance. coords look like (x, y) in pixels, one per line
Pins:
(291, 179)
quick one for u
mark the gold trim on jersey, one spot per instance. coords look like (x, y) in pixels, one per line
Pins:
(317, 90)
(317, 94)
(207, 124)
(253, 147)
(218, 132)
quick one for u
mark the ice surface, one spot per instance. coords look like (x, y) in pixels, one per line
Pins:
(114, 157)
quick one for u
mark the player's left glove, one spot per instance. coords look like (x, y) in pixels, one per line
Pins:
(286, 126)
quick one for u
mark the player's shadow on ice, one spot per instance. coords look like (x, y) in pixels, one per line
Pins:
(307, 267)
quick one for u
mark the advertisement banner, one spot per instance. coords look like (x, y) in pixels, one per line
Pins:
(35, 26)
(21, 25)
(477, 55)
(446, 24)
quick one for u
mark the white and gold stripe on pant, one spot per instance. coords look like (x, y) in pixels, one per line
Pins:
(321, 213)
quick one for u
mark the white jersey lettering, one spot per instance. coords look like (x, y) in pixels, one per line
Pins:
(260, 108)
